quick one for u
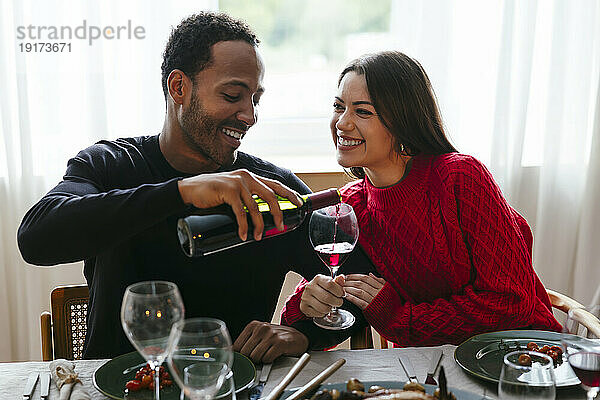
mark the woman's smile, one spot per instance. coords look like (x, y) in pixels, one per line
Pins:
(347, 143)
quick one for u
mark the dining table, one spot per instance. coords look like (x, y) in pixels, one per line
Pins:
(365, 365)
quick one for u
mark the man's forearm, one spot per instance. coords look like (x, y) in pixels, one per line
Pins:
(66, 227)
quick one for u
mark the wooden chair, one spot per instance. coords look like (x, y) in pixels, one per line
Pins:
(562, 302)
(588, 321)
(364, 339)
(63, 331)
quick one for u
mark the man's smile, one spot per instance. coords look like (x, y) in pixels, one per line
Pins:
(232, 133)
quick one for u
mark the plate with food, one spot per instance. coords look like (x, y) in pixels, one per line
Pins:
(127, 376)
(354, 389)
(483, 355)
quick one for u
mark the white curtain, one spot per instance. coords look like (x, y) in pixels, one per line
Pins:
(54, 104)
(517, 81)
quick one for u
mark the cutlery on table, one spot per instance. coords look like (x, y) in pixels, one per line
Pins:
(289, 377)
(408, 368)
(256, 390)
(317, 380)
(443, 385)
(30, 385)
(44, 385)
(436, 356)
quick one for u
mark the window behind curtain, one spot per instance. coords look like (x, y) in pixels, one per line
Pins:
(305, 45)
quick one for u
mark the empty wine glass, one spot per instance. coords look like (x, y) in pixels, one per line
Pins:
(527, 375)
(148, 312)
(583, 355)
(200, 357)
(333, 232)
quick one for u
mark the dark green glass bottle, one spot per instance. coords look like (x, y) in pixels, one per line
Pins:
(207, 231)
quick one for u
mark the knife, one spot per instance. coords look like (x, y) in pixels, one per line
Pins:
(256, 391)
(287, 379)
(30, 385)
(443, 385)
(316, 381)
(44, 385)
(436, 356)
(408, 368)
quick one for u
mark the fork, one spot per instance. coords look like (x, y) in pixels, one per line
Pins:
(408, 368)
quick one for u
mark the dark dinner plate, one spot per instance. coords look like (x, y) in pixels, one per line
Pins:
(110, 379)
(483, 355)
(460, 394)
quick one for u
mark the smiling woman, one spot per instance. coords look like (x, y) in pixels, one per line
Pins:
(453, 257)
(502, 77)
(361, 137)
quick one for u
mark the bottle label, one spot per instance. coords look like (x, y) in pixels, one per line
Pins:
(283, 205)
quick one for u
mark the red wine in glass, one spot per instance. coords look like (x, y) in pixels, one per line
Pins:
(586, 365)
(582, 354)
(334, 254)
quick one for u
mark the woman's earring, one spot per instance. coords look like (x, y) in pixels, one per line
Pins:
(402, 149)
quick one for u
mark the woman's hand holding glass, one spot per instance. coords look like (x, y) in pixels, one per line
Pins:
(321, 294)
(361, 289)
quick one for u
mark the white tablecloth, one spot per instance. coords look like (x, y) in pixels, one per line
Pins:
(370, 365)
(362, 364)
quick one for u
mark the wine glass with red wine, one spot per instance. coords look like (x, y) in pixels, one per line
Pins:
(583, 355)
(333, 232)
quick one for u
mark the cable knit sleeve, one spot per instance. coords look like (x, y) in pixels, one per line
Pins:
(291, 310)
(499, 291)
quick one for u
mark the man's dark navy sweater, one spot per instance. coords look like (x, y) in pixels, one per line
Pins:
(117, 209)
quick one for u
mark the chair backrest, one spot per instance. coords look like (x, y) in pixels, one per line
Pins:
(67, 323)
(586, 320)
(581, 318)
(562, 302)
(362, 339)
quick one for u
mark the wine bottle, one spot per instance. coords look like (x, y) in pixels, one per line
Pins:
(207, 231)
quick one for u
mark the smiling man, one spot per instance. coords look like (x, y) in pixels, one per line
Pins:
(119, 201)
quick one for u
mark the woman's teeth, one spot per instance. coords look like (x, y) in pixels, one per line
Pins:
(348, 142)
(233, 134)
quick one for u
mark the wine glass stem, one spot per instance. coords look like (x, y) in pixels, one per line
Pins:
(157, 381)
(591, 393)
(334, 271)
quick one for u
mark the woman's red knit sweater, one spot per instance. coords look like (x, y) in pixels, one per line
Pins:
(456, 257)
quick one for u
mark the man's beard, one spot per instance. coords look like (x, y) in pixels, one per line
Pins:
(200, 134)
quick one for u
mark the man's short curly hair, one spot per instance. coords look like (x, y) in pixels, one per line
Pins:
(189, 46)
